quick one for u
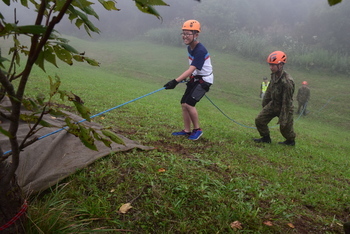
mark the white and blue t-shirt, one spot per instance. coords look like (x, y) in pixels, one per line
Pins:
(200, 58)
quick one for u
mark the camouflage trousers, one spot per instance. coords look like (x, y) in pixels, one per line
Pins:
(266, 115)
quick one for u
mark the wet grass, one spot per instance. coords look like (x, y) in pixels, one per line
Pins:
(203, 186)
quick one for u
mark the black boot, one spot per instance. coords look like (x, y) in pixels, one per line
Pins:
(288, 142)
(264, 139)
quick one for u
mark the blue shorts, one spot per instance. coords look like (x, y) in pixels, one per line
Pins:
(194, 92)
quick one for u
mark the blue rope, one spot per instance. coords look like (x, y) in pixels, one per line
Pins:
(227, 115)
(301, 113)
(103, 112)
(243, 124)
(93, 116)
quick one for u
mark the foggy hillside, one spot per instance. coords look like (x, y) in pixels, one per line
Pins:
(287, 23)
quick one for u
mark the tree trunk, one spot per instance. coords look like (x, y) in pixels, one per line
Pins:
(11, 203)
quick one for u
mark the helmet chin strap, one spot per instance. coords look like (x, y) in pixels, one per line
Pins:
(280, 69)
(194, 38)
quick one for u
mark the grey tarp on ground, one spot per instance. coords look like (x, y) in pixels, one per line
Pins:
(57, 156)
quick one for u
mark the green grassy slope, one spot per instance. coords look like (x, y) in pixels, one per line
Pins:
(207, 184)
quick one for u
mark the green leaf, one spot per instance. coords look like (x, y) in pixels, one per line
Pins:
(154, 2)
(40, 98)
(24, 3)
(29, 104)
(78, 58)
(31, 29)
(49, 55)
(88, 25)
(59, 4)
(4, 132)
(81, 3)
(56, 113)
(73, 128)
(92, 62)
(114, 137)
(16, 41)
(83, 110)
(146, 8)
(2, 59)
(17, 57)
(90, 11)
(333, 2)
(7, 2)
(72, 16)
(28, 118)
(86, 138)
(54, 36)
(7, 29)
(54, 85)
(45, 124)
(105, 141)
(63, 54)
(109, 5)
(68, 48)
(62, 94)
(78, 23)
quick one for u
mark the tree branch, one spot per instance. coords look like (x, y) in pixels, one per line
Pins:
(32, 130)
(7, 84)
(16, 100)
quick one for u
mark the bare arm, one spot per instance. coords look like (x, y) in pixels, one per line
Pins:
(186, 74)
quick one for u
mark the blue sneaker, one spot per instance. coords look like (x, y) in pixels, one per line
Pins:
(196, 134)
(182, 133)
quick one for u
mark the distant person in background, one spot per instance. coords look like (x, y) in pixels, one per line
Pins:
(201, 77)
(303, 98)
(263, 87)
(277, 102)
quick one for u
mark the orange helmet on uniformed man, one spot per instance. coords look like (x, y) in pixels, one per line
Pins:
(304, 83)
(277, 57)
(192, 25)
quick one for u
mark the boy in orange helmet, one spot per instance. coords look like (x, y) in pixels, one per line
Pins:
(277, 102)
(201, 76)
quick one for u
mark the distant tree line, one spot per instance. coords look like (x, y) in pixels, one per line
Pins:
(313, 33)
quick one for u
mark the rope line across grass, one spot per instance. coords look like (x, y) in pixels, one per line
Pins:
(108, 110)
(243, 124)
(227, 115)
(103, 112)
(93, 116)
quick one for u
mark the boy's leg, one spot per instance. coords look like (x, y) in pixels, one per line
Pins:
(191, 114)
(186, 117)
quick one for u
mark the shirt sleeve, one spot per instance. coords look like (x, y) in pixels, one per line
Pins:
(198, 58)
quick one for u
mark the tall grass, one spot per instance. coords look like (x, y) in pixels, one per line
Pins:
(200, 187)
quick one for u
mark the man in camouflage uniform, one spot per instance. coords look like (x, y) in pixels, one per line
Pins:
(277, 102)
(303, 97)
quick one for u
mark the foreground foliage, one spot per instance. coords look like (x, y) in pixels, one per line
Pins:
(44, 46)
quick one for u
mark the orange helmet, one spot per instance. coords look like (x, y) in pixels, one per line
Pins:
(304, 83)
(192, 25)
(277, 57)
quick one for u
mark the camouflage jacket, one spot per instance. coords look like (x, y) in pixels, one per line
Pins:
(303, 94)
(279, 96)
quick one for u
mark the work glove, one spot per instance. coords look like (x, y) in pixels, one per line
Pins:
(171, 84)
